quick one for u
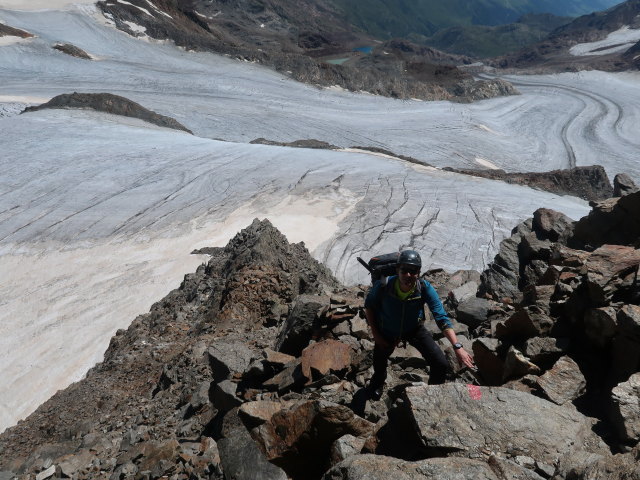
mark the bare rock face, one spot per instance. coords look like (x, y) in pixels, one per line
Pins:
(109, 103)
(469, 420)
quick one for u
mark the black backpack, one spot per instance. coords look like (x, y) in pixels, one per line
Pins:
(381, 265)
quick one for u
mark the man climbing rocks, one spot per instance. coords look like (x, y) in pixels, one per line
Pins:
(395, 312)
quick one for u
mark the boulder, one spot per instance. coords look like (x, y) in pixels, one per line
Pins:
(360, 328)
(591, 466)
(297, 331)
(623, 185)
(545, 351)
(378, 467)
(473, 311)
(299, 438)
(488, 361)
(325, 357)
(227, 359)
(256, 413)
(224, 396)
(610, 268)
(612, 221)
(628, 319)
(564, 382)
(552, 225)
(468, 420)
(464, 292)
(241, 459)
(600, 325)
(625, 410)
(345, 447)
(289, 378)
(525, 323)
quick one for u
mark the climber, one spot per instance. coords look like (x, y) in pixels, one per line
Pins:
(394, 309)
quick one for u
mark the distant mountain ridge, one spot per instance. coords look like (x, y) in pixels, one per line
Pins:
(398, 18)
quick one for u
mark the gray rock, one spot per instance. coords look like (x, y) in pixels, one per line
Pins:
(469, 420)
(625, 412)
(6, 475)
(345, 447)
(517, 365)
(288, 378)
(360, 328)
(611, 268)
(564, 382)
(378, 467)
(464, 292)
(552, 225)
(296, 332)
(241, 459)
(228, 358)
(629, 321)
(623, 185)
(545, 351)
(48, 473)
(525, 323)
(224, 395)
(473, 311)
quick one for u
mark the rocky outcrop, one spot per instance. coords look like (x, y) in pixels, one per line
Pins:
(257, 366)
(7, 31)
(590, 183)
(109, 103)
(72, 50)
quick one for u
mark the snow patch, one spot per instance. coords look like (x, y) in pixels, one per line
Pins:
(11, 40)
(136, 6)
(486, 163)
(135, 27)
(158, 10)
(617, 41)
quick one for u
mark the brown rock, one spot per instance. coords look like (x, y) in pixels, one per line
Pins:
(610, 268)
(256, 413)
(322, 358)
(552, 225)
(564, 382)
(299, 438)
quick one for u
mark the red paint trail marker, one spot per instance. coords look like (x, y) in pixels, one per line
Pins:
(474, 392)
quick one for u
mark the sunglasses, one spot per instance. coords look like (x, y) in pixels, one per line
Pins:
(410, 271)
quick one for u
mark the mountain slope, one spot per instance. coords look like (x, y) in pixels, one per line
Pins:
(426, 17)
(556, 53)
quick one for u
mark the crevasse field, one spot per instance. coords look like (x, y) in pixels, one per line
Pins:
(99, 213)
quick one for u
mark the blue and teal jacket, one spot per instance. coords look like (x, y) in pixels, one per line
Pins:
(397, 317)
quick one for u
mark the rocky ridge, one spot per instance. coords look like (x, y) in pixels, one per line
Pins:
(255, 368)
(108, 103)
(589, 183)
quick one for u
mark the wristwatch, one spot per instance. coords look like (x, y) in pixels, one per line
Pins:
(457, 346)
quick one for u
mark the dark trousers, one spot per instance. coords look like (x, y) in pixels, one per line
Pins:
(422, 340)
